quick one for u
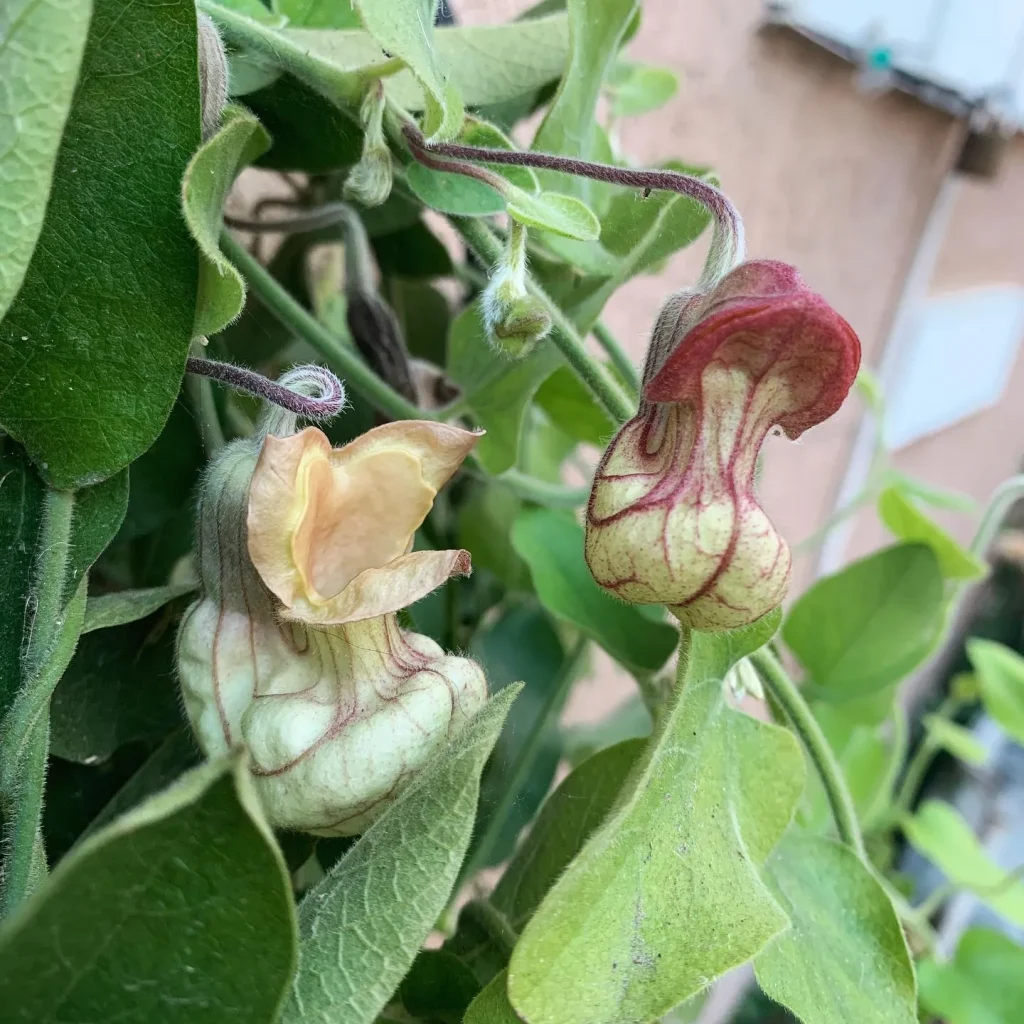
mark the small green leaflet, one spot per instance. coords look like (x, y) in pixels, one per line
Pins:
(1000, 676)
(207, 181)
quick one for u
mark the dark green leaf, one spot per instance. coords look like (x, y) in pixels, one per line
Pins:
(309, 133)
(208, 179)
(983, 984)
(521, 646)
(414, 251)
(119, 688)
(485, 528)
(178, 912)
(362, 926)
(425, 316)
(866, 627)
(93, 348)
(164, 478)
(439, 986)
(552, 546)
(41, 46)
(845, 959)
(697, 817)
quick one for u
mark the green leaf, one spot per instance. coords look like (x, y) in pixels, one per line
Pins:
(571, 406)
(491, 1006)
(119, 688)
(438, 987)
(208, 179)
(845, 959)
(595, 35)
(937, 497)
(639, 88)
(907, 522)
(498, 391)
(405, 29)
(552, 546)
(485, 526)
(697, 817)
(107, 610)
(454, 194)
(412, 252)
(318, 13)
(568, 818)
(1000, 674)
(866, 627)
(521, 645)
(93, 349)
(41, 46)
(955, 740)
(178, 912)
(363, 924)
(983, 984)
(551, 211)
(940, 833)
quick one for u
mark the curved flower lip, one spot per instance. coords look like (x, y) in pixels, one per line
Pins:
(768, 301)
(330, 530)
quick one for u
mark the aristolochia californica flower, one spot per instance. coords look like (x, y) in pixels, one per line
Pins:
(673, 518)
(294, 648)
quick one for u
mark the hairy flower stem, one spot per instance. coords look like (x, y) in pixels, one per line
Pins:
(329, 402)
(26, 737)
(622, 363)
(785, 691)
(479, 237)
(727, 244)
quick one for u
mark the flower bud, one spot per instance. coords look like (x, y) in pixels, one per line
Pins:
(673, 518)
(213, 75)
(369, 182)
(294, 649)
(515, 320)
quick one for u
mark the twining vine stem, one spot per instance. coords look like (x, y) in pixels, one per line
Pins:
(785, 691)
(26, 737)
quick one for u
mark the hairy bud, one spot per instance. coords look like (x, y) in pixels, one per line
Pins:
(369, 182)
(213, 75)
(515, 320)
(673, 518)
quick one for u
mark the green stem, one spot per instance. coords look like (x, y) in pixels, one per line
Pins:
(493, 923)
(546, 718)
(204, 407)
(785, 691)
(344, 360)
(615, 352)
(541, 491)
(1008, 492)
(917, 767)
(26, 733)
(479, 237)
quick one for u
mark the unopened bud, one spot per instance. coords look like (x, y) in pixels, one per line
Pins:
(213, 75)
(369, 182)
(515, 320)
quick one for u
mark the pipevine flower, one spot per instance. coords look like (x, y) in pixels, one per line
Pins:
(294, 648)
(673, 518)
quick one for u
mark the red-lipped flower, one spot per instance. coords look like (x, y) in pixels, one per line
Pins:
(673, 518)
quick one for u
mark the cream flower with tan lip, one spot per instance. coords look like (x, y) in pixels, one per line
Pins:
(330, 530)
(295, 649)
